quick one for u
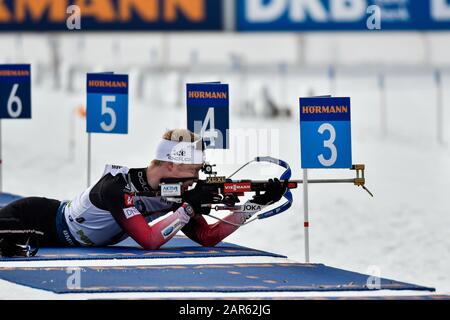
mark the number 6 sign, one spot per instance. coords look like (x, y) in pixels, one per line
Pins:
(15, 91)
(325, 132)
(107, 103)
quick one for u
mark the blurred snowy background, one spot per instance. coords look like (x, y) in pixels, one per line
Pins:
(399, 87)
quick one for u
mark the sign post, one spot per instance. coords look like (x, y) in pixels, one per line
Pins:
(15, 97)
(208, 113)
(325, 137)
(107, 107)
(306, 213)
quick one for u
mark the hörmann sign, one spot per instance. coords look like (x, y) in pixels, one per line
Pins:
(110, 15)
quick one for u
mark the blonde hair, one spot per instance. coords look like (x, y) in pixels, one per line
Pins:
(177, 135)
(180, 135)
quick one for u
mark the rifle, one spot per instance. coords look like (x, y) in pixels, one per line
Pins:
(229, 190)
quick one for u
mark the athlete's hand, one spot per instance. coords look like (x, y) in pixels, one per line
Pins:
(230, 200)
(274, 191)
(198, 196)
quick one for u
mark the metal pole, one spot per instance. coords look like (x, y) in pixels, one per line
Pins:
(306, 213)
(89, 161)
(301, 50)
(439, 111)
(332, 79)
(72, 119)
(383, 108)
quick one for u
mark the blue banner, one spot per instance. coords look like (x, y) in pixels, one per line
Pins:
(111, 15)
(107, 103)
(15, 91)
(208, 113)
(343, 15)
(325, 133)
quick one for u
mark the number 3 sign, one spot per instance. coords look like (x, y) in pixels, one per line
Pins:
(107, 103)
(325, 132)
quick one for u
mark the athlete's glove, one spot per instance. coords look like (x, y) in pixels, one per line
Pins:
(198, 196)
(230, 200)
(274, 191)
(188, 210)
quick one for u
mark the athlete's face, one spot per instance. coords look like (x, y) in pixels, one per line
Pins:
(186, 171)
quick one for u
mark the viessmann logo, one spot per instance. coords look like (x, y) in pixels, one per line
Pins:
(132, 14)
(237, 187)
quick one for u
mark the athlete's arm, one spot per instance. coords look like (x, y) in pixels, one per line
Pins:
(151, 237)
(134, 224)
(208, 235)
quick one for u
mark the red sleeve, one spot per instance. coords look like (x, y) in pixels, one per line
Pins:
(150, 237)
(208, 235)
(121, 206)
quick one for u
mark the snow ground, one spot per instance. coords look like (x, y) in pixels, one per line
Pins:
(403, 231)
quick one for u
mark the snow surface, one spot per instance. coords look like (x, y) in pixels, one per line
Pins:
(403, 231)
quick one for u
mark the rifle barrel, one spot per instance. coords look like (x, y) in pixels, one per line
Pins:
(313, 181)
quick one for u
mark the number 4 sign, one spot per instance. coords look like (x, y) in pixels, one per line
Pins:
(208, 113)
(325, 132)
(15, 91)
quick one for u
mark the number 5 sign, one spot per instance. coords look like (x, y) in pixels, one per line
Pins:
(15, 91)
(107, 103)
(325, 132)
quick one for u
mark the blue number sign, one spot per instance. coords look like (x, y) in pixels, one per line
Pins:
(15, 91)
(208, 113)
(107, 103)
(325, 132)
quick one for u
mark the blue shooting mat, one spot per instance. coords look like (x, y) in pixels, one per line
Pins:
(271, 277)
(177, 247)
